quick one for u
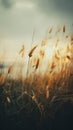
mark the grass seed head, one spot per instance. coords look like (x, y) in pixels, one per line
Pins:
(37, 64)
(10, 69)
(21, 52)
(64, 28)
(51, 29)
(32, 50)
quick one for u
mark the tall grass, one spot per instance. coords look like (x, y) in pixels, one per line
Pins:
(48, 76)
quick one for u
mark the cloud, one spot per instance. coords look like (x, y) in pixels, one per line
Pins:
(43, 6)
(18, 18)
(7, 3)
(65, 6)
(17, 3)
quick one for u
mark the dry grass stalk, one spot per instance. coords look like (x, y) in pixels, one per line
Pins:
(51, 78)
(32, 50)
(57, 57)
(47, 91)
(72, 38)
(64, 28)
(53, 65)
(57, 42)
(43, 43)
(8, 99)
(2, 79)
(67, 36)
(37, 64)
(58, 29)
(21, 52)
(42, 53)
(51, 29)
(10, 69)
(68, 57)
(34, 97)
(68, 49)
(72, 43)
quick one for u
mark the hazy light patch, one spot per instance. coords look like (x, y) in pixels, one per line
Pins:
(19, 18)
(24, 5)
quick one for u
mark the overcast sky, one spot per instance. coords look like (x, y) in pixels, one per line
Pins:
(18, 19)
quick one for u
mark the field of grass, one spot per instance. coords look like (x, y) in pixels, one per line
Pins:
(43, 98)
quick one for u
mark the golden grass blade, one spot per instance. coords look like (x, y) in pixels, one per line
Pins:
(47, 91)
